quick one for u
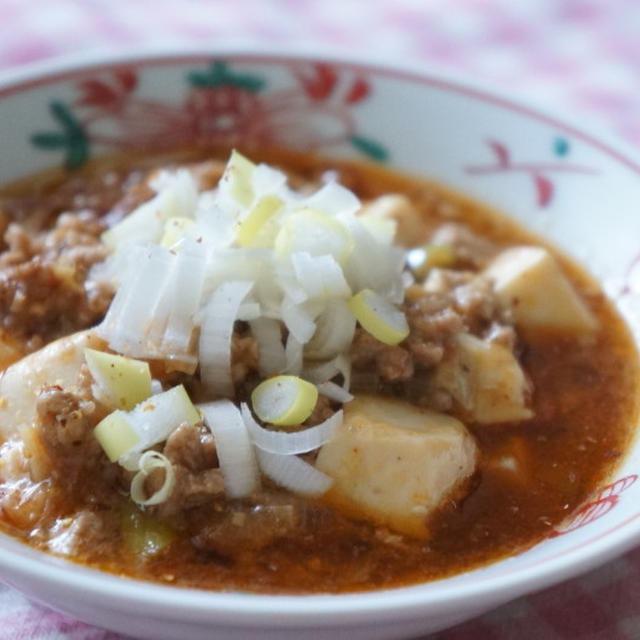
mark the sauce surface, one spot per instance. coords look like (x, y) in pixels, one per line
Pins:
(583, 400)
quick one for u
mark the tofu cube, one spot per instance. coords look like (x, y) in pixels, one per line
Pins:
(394, 463)
(411, 229)
(57, 363)
(486, 379)
(530, 282)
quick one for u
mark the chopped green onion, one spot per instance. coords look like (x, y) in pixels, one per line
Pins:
(257, 230)
(116, 435)
(379, 317)
(284, 400)
(238, 173)
(122, 382)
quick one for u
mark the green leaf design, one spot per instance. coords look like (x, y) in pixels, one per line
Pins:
(220, 75)
(48, 140)
(73, 138)
(370, 148)
(77, 154)
(63, 115)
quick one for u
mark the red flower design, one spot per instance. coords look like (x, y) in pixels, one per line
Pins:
(111, 93)
(359, 90)
(539, 171)
(604, 500)
(225, 115)
(319, 82)
(223, 107)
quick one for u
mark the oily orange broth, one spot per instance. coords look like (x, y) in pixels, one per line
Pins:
(584, 403)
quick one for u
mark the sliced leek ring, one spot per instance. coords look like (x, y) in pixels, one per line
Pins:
(116, 435)
(379, 317)
(149, 462)
(122, 382)
(176, 229)
(257, 230)
(316, 233)
(284, 400)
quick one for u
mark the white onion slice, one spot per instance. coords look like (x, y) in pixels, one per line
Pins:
(215, 336)
(298, 320)
(215, 225)
(235, 451)
(187, 284)
(271, 355)
(371, 264)
(149, 462)
(144, 224)
(266, 179)
(135, 311)
(288, 282)
(335, 392)
(335, 328)
(320, 276)
(293, 352)
(180, 192)
(293, 473)
(249, 311)
(325, 371)
(251, 265)
(286, 443)
(333, 198)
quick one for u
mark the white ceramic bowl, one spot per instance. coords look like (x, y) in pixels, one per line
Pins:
(577, 188)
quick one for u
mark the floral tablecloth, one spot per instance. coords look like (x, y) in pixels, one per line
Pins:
(577, 56)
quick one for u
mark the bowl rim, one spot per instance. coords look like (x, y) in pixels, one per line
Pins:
(409, 602)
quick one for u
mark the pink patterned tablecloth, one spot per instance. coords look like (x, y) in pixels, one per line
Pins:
(574, 55)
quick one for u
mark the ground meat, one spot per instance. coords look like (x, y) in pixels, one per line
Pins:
(42, 279)
(64, 418)
(193, 447)
(190, 490)
(64, 426)
(324, 409)
(451, 301)
(192, 450)
(460, 302)
(472, 250)
(392, 363)
(247, 528)
(244, 357)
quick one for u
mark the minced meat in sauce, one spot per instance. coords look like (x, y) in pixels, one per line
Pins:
(581, 395)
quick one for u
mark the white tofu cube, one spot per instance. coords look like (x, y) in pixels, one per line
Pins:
(411, 229)
(486, 379)
(530, 282)
(394, 463)
(57, 363)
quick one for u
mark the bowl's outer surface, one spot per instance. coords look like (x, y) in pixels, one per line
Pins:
(577, 188)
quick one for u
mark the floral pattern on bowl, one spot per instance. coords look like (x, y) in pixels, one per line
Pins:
(221, 107)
